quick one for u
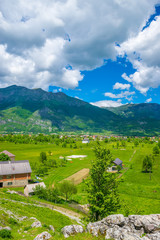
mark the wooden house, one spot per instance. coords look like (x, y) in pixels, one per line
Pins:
(14, 173)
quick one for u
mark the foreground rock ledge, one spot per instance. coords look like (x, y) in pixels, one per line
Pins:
(133, 227)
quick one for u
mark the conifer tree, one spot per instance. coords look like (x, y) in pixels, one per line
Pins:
(102, 186)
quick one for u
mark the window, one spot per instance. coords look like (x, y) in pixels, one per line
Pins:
(9, 183)
(1, 177)
(9, 176)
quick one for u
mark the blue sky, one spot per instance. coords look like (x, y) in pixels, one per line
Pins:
(104, 53)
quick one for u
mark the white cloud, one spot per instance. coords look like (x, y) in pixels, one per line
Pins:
(33, 37)
(127, 95)
(107, 103)
(121, 86)
(149, 100)
(143, 52)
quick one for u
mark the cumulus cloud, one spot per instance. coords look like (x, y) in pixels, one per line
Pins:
(107, 103)
(40, 38)
(149, 100)
(121, 86)
(127, 95)
(143, 52)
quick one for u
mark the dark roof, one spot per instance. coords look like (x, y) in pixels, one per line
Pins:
(8, 153)
(117, 161)
(14, 167)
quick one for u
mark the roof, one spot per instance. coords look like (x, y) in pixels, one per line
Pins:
(117, 161)
(14, 167)
(8, 153)
(31, 187)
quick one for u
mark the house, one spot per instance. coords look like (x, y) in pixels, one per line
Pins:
(85, 140)
(10, 155)
(14, 173)
(29, 189)
(117, 162)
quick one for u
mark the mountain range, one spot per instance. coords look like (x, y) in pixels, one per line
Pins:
(35, 110)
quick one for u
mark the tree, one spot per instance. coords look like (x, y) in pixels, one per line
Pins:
(102, 186)
(156, 150)
(4, 157)
(67, 188)
(43, 157)
(147, 164)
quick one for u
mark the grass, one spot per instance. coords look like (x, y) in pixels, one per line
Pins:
(137, 192)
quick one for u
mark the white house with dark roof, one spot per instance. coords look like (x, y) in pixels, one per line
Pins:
(10, 155)
(117, 162)
(14, 173)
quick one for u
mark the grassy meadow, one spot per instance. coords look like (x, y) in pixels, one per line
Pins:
(138, 193)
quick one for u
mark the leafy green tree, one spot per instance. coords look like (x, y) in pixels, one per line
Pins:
(147, 164)
(102, 186)
(4, 157)
(67, 188)
(41, 170)
(156, 150)
(43, 157)
(136, 143)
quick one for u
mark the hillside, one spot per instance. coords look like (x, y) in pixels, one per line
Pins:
(143, 116)
(35, 110)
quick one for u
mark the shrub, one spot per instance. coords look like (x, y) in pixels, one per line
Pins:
(4, 233)
(12, 221)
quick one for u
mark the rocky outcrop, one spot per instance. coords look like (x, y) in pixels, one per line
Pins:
(72, 230)
(36, 224)
(43, 235)
(134, 227)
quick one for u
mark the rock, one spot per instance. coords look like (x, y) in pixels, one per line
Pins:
(71, 230)
(117, 219)
(33, 218)
(131, 236)
(36, 224)
(22, 218)
(97, 228)
(51, 228)
(132, 227)
(42, 236)
(7, 228)
(154, 236)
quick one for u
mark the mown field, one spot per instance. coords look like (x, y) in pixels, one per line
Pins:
(138, 194)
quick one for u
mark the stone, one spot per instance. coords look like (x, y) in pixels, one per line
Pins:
(43, 235)
(22, 218)
(36, 224)
(71, 230)
(117, 219)
(154, 236)
(7, 228)
(51, 228)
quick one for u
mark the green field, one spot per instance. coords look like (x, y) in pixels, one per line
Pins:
(138, 193)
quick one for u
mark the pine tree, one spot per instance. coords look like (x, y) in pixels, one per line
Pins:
(102, 186)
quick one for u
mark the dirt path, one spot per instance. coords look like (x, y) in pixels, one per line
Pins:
(67, 212)
(132, 155)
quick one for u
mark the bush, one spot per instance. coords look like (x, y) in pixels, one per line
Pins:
(12, 221)
(4, 233)
(27, 228)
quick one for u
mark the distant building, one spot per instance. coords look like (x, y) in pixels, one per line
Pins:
(10, 155)
(117, 162)
(29, 189)
(14, 173)
(86, 140)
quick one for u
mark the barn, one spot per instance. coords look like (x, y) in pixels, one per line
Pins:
(14, 173)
